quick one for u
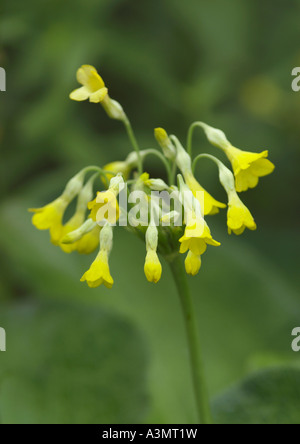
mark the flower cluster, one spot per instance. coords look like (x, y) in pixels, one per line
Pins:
(167, 233)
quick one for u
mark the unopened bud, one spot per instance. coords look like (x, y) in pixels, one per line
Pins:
(165, 143)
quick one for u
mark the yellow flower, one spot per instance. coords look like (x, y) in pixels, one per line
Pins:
(50, 218)
(196, 238)
(105, 206)
(108, 200)
(248, 167)
(239, 217)
(89, 242)
(84, 239)
(73, 224)
(153, 268)
(192, 264)
(211, 206)
(99, 272)
(93, 87)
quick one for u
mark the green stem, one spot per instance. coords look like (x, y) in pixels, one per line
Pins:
(158, 154)
(197, 367)
(206, 156)
(134, 143)
(190, 136)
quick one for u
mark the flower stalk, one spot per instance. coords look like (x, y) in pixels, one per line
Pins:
(195, 352)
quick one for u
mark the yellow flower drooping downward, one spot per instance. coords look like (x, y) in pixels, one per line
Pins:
(197, 235)
(248, 167)
(99, 272)
(89, 242)
(105, 206)
(78, 219)
(93, 87)
(84, 240)
(50, 217)
(153, 268)
(239, 217)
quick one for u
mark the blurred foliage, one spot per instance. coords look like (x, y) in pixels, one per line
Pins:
(169, 63)
(269, 397)
(73, 364)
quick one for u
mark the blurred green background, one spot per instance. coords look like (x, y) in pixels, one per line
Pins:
(120, 356)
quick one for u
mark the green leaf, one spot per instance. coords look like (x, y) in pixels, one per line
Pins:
(70, 364)
(268, 397)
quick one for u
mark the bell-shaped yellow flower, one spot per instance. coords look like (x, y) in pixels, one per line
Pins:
(192, 264)
(248, 167)
(239, 217)
(99, 272)
(83, 239)
(211, 206)
(73, 224)
(196, 237)
(93, 87)
(89, 242)
(50, 218)
(153, 268)
(106, 201)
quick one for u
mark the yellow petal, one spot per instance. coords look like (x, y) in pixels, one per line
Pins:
(80, 94)
(88, 76)
(89, 243)
(99, 95)
(248, 167)
(211, 206)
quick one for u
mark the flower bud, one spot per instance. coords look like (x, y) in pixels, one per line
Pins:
(165, 143)
(113, 109)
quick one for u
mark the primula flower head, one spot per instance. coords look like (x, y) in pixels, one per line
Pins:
(93, 87)
(248, 167)
(176, 210)
(239, 217)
